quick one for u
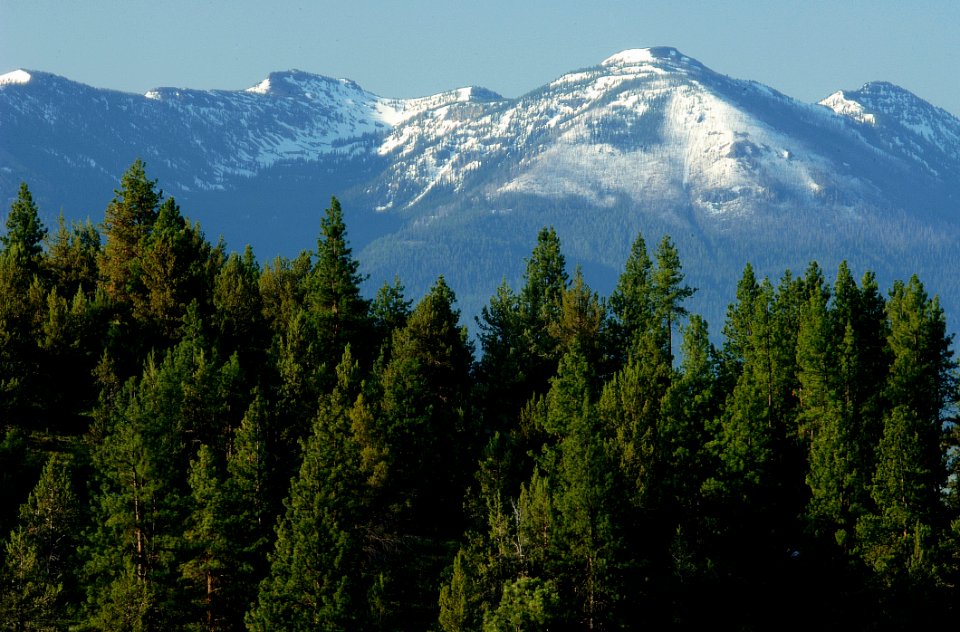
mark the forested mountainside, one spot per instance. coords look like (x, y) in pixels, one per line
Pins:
(459, 183)
(196, 439)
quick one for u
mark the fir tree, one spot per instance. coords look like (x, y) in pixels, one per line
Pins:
(129, 218)
(23, 240)
(337, 311)
(631, 302)
(211, 565)
(71, 259)
(668, 292)
(38, 572)
(313, 580)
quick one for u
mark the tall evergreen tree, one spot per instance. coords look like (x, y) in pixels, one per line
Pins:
(72, 254)
(896, 539)
(313, 581)
(631, 302)
(211, 564)
(587, 498)
(337, 311)
(23, 239)
(135, 547)
(825, 422)
(668, 292)
(176, 268)
(238, 321)
(581, 321)
(129, 218)
(414, 437)
(540, 302)
(38, 581)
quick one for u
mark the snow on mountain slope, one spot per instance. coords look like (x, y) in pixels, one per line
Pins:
(903, 125)
(204, 138)
(17, 76)
(458, 182)
(644, 124)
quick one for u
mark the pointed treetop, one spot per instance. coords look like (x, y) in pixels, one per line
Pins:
(25, 231)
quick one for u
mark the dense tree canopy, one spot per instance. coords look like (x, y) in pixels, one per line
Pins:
(193, 440)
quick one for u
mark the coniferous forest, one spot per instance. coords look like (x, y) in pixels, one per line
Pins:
(196, 440)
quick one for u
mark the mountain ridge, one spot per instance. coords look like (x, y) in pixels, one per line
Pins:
(648, 140)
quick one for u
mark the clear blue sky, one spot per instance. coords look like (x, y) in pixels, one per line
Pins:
(402, 48)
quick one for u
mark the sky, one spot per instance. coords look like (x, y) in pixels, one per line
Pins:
(805, 49)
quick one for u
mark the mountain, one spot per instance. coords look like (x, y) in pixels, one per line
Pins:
(459, 183)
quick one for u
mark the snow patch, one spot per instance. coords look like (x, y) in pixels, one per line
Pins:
(839, 103)
(17, 76)
(630, 56)
(261, 88)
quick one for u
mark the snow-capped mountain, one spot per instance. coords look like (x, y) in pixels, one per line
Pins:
(458, 183)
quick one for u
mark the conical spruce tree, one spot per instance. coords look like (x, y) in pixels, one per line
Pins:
(23, 239)
(129, 218)
(668, 292)
(631, 303)
(313, 583)
(71, 258)
(337, 311)
(38, 580)
(210, 566)
(540, 303)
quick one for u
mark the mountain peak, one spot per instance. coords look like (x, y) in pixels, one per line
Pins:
(17, 76)
(635, 56)
(294, 82)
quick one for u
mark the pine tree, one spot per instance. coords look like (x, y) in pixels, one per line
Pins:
(313, 580)
(135, 547)
(581, 322)
(896, 540)
(337, 311)
(630, 407)
(738, 325)
(23, 240)
(176, 267)
(690, 405)
(238, 319)
(825, 422)
(631, 301)
(39, 565)
(129, 219)
(528, 603)
(252, 489)
(456, 609)
(586, 498)
(390, 310)
(668, 292)
(423, 410)
(132, 552)
(415, 434)
(502, 371)
(283, 288)
(540, 302)
(71, 259)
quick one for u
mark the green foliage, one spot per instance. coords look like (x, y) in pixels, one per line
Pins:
(39, 555)
(631, 302)
(72, 256)
(210, 555)
(25, 232)
(527, 604)
(264, 447)
(129, 218)
(135, 547)
(312, 582)
(335, 309)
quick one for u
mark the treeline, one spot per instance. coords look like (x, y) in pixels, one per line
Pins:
(196, 441)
